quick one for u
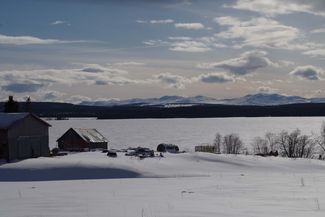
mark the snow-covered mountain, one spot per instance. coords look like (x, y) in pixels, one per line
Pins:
(255, 99)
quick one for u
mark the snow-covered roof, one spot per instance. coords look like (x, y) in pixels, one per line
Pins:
(8, 119)
(90, 135)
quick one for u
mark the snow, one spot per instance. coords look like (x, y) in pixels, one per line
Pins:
(186, 133)
(90, 135)
(178, 185)
(90, 184)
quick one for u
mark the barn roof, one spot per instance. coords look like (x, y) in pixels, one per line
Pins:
(9, 119)
(90, 135)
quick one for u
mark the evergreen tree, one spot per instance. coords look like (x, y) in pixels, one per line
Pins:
(11, 105)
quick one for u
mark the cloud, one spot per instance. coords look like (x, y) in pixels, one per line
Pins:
(165, 21)
(179, 82)
(173, 81)
(193, 26)
(187, 44)
(30, 40)
(161, 21)
(130, 63)
(307, 72)
(22, 87)
(51, 95)
(34, 80)
(278, 7)
(95, 68)
(217, 77)
(247, 63)
(92, 69)
(60, 22)
(265, 89)
(259, 32)
(316, 31)
(315, 53)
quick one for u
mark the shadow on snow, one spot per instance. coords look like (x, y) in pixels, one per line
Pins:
(66, 173)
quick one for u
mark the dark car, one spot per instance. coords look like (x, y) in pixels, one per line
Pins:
(111, 153)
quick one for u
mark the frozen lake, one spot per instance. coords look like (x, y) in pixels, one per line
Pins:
(184, 132)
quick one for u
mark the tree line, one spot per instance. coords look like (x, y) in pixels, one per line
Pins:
(293, 144)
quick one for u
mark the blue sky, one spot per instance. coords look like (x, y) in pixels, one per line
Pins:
(74, 50)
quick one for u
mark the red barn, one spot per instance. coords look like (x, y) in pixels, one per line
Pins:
(77, 139)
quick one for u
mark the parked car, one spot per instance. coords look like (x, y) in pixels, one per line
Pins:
(111, 153)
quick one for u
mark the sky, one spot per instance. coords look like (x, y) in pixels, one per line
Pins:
(81, 50)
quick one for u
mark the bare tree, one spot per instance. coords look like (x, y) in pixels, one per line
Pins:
(260, 146)
(217, 143)
(232, 144)
(321, 140)
(271, 139)
(295, 145)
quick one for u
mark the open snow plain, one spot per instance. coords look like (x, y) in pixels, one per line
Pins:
(178, 185)
(187, 185)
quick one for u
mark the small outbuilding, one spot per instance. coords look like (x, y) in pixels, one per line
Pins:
(23, 135)
(78, 139)
(171, 148)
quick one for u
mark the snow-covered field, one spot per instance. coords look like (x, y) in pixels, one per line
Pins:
(183, 185)
(189, 184)
(184, 132)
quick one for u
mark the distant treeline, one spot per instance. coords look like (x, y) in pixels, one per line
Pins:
(50, 109)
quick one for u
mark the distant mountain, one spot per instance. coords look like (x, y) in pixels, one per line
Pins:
(261, 99)
(162, 101)
(266, 99)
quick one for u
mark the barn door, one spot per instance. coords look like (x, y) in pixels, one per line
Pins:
(29, 146)
(3, 151)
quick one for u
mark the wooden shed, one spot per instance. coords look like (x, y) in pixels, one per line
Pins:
(23, 135)
(78, 139)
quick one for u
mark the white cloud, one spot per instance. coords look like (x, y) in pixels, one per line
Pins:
(315, 53)
(172, 80)
(165, 21)
(60, 22)
(193, 26)
(188, 44)
(130, 63)
(141, 21)
(316, 31)
(34, 80)
(247, 63)
(50, 95)
(161, 21)
(276, 7)
(308, 72)
(259, 32)
(286, 63)
(30, 40)
(216, 77)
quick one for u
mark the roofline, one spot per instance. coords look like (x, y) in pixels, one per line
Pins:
(40, 119)
(28, 114)
(74, 130)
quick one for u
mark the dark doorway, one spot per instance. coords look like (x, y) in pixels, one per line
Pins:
(3, 151)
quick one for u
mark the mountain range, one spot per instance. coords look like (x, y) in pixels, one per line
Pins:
(260, 99)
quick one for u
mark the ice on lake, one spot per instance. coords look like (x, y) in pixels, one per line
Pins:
(184, 132)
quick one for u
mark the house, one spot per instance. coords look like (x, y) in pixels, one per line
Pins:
(77, 139)
(23, 135)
